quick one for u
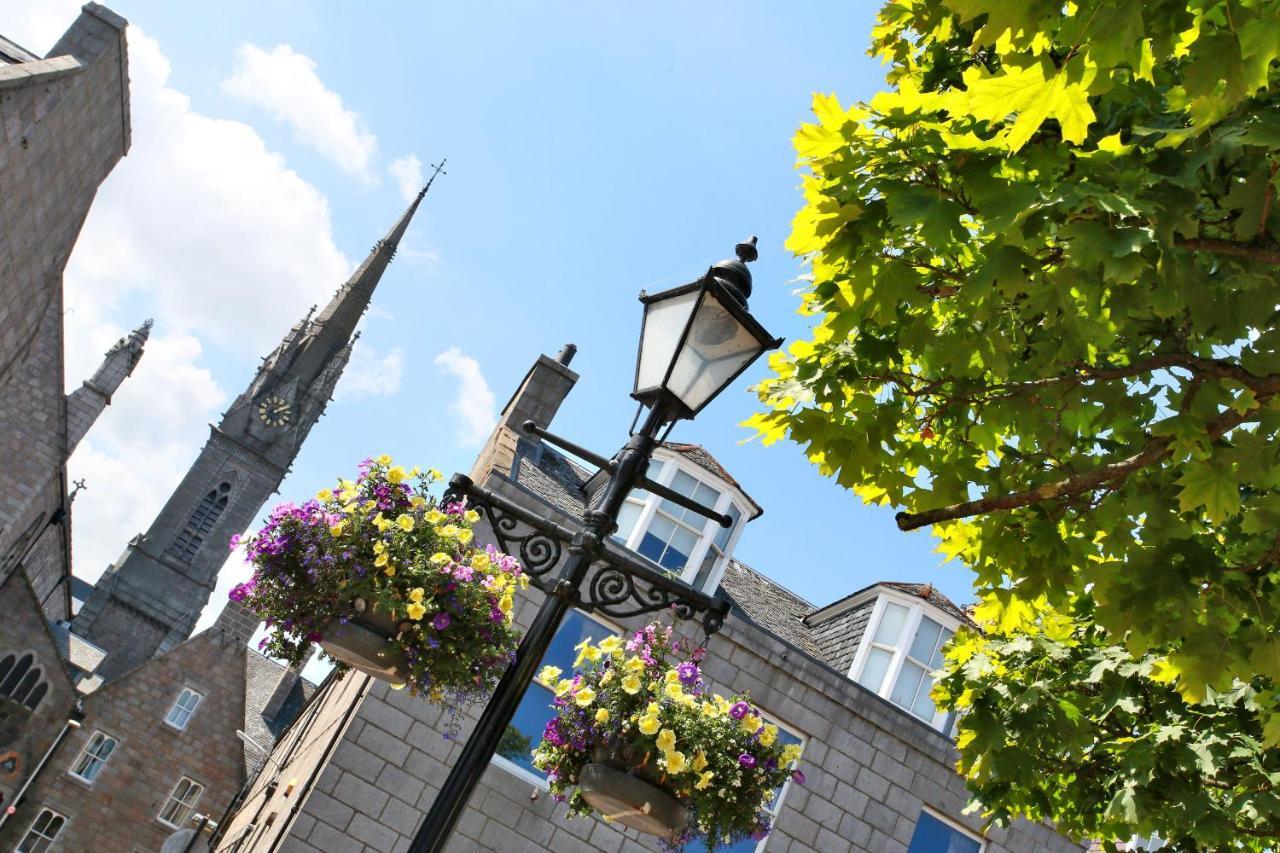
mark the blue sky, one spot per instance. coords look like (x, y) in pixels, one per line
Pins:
(594, 150)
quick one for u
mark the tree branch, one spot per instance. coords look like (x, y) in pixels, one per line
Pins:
(1085, 481)
(1261, 254)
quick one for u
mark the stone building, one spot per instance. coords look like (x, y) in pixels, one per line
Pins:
(358, 769)
(117, 725)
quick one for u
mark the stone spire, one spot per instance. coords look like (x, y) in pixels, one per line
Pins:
(87, 402)
(149, 600)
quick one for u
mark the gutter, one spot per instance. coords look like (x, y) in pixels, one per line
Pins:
(73, 722)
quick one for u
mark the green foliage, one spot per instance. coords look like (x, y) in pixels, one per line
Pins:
(1060, 721)
(1044, 295)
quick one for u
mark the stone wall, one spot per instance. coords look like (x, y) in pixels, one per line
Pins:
(63, 126)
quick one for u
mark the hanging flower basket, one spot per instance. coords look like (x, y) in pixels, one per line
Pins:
(638, 738)
(387, 582)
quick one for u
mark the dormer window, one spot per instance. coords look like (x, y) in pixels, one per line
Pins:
(680, 540)
(902, 646)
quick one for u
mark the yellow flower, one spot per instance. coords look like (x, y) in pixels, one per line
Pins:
(417, 501)
(471, 516)
(381, 522)
(506, 604)
(666, 740)
(465, 536)
(480, 561)
(549, 674)
(350, 508)
(347, 494)
(606, 678)
(564, 687)
(704, 781)
(449, 530)
(721, 703)
(324, 494)
(434, 474)
(384, 459)
(602, 716)
(675, 761)
(379, 546)
(440, 558)
(396, 474)
(790, 753)
(674, 690)
(586, 652)
(750, 723)
(769, 735)
(710, 709)
(390, 571)
(337, 529)
(653, 709)
(584, 697)
(381, 559)
(368, 505)
(405, 521)
(415, 595)
(635, 664)
(609, 645)
(648, 725)
(699, 761)
(346, 484)
(434, 516)
(672, 677)
(416, 611)
(631, 685)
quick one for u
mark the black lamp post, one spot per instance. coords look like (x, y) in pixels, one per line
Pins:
(695, 341)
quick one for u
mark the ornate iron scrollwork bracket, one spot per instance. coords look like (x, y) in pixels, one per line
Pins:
(618, 584)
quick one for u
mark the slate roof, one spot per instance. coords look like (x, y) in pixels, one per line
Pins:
(551, 476)
(773, 607)
(76, 650)
(262, 674)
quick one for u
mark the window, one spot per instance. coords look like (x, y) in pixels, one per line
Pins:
(535, 711)
(43, 832)
(201, 522)
(21, 680)
(748, 845)
(93, 757)
(186, 704)
(935, 835)
(678, 539)
(180, 803)
(902, 647)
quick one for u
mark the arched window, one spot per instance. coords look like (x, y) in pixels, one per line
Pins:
(201, 522)
(22, 681)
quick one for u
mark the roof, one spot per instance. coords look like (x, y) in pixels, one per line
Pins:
(76, 650)
(698, 455)
(926, 591)
(262, 675)
(13, 54)
(771, 606)
(551, 476)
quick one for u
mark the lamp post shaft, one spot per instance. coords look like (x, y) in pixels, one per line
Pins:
(598, 522)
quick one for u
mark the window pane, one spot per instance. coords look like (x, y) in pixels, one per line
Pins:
(655, 538)
(926, 640)
(746, 845)
(525, 731)
(936, 661)
(627, 518)
(904, 692)
(873, 672)
(723, 533)
(934, 836)
(678, 549)
(923, 707)
(575, 628)
(706, 496)
(891, 622)
(685, 484)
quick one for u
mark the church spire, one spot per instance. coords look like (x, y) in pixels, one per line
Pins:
(87, 402)
(338, 319)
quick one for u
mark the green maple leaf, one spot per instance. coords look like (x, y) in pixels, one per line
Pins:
(1035, 95)
(937, 215)
(1214, 489)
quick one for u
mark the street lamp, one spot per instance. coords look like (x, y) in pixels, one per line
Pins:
(695, 341)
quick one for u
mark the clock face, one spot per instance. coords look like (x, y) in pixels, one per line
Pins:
(274, 411)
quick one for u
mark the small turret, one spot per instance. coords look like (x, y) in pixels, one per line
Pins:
(87, 402)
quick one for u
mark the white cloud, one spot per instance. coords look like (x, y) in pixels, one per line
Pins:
(284, 82)
(370, 374)
(475, 405)
(407, 171)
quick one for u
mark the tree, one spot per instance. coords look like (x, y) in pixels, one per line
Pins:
(1045, 304)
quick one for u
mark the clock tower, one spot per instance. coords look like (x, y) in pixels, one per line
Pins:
(148, 601)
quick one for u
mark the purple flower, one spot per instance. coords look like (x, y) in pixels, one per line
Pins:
(235, 542)
(747, 760)
(441, 621)
(739, 710)
(240, 591)
(687, 672)
(798, 776)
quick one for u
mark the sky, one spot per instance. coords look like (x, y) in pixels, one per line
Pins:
(593, 151)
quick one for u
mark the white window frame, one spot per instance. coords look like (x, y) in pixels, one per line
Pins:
(729, 494)
(956, 825)
(176, 707)
(916, 610)
(173, 797)
(84, 751)
(776, 811)
(52, 840)
(510, 766)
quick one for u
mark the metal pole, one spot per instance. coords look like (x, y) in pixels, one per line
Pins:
(632, 462)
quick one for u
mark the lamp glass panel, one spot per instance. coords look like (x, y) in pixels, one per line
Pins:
(717, 347)
(664, 322)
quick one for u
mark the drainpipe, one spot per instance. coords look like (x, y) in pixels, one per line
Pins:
(73, 722)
